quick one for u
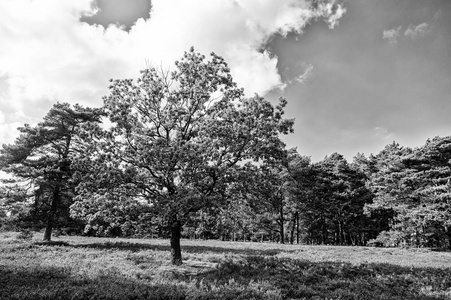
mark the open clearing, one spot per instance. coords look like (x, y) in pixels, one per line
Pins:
(105, 268)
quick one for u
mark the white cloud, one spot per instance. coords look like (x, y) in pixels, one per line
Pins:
(383, 133)
(417, 31)
(48, 54)
(334, 11)
(301, 78)
(436, 16)
(392, 35)
(8, 131)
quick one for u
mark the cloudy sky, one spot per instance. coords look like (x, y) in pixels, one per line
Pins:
(358, 74)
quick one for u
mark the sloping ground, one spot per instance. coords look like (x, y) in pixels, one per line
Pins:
(93, 268)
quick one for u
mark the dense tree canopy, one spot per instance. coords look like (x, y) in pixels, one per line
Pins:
(416, 185)
(331, 196)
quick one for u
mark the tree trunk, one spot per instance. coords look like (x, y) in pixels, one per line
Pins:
(297, 227)
(340, 233)
(281, 221)
(282, 234)
(292, 229)
(323, 230)
(448, 233)
(52, 215)
(176, 228)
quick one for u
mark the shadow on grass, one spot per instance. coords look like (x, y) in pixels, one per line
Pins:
(300, 279)
(250, 277)
(51, 243)
(185, 248)
(58, 283)
(440, 249)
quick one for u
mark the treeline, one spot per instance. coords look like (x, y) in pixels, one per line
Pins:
(399, 197)
(185, 154)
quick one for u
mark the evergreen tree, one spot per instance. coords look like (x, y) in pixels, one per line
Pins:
(41, 159)
(415, 184)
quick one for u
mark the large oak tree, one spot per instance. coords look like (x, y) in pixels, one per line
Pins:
(181, 136)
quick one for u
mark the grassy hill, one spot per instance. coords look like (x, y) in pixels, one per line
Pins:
(102, 268)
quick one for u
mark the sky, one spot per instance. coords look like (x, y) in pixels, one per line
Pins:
(357, 74)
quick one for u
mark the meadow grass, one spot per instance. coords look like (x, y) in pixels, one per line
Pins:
(73, 267)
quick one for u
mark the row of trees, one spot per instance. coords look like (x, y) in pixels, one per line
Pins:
(294, 201)
(186, 154)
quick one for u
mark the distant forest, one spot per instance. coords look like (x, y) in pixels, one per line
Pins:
(198, 160)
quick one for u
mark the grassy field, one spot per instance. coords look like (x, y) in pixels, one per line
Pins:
(102, 268)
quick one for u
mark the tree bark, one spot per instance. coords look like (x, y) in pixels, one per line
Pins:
(323, 230)
(176, 228)
(297, 227)
(293, 226)
(448, 233)
(281, 226)
(52, 215)
(340, 232)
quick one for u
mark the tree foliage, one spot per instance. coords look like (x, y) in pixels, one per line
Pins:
(186, 149)
(40, 161)
(182, 135)
(332, 195)
(415, 184)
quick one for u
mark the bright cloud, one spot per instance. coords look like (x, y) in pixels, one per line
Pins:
(412, 31)
(48, 54)
(417, 31)
(333, 12)
(382, 133)
(8, 131)
(301, 78)
(392, 35)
